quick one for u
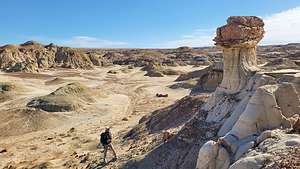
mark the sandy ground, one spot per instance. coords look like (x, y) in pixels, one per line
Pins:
(122, 100)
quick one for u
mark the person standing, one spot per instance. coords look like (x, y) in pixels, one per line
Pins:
(106, 139)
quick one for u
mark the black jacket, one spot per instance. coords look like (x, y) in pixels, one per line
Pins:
(105, 138)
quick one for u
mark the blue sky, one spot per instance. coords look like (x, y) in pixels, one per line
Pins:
(140, 23)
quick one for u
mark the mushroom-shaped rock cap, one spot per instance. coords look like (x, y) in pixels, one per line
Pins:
(240, 31)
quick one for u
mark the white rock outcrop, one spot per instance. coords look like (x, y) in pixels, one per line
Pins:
(247, 102)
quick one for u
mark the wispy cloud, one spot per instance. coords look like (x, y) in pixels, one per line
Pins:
(91, 42)
(283, 27)
(78, 41)
(200, 37)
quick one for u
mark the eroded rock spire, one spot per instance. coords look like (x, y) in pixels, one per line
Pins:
(238, 39)
(246, 104)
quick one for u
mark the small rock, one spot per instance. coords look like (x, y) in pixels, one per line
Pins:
(3, 150)
(71, 130)
(50, 138)
(112, 72)
(130, 67)
(85, 158)
(75, 138)
(125, 119)
(293, 142)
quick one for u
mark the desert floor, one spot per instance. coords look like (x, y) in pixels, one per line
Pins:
(122, 99)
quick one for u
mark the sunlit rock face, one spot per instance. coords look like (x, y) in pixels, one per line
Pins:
(247, 102)
(238, 39)
(240, 31)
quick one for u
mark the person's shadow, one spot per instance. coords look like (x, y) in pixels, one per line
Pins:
(103, 164)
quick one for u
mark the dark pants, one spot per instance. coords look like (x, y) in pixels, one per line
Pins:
(109, 146)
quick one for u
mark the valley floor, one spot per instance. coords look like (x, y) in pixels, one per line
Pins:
(70, 138)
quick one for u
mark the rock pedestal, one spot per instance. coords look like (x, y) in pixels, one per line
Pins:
(245, 104)
(238, 39)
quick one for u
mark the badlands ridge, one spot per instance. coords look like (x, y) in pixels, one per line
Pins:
(233, 106)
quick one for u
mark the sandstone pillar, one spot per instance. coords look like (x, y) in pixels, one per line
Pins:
(238, 39)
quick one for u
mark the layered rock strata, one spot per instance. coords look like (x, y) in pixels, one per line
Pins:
(32, 57)
(247, 102)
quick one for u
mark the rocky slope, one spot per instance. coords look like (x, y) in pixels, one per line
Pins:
(233, 128)
(206, 80)
(32, 57)
(244, 123)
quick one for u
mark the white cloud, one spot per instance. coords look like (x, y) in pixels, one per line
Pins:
(91, 42)
(283, 27)
(200, 37)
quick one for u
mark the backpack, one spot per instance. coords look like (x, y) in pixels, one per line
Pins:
(105, 138)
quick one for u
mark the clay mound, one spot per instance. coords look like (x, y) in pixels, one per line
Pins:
(171, 72)
(154, 69)
(97, 59)
(282, 63)
(55, 81)
(184, 49)
(207, 79)
(193, 74)
(21, 121)
(72, 58)
(210, 81)
(7, 91)
(67, 98)
(189, 84)
(7, 86)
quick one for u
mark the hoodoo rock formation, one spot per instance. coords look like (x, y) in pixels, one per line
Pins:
(236, 124)
(245, 104)
(238, 40)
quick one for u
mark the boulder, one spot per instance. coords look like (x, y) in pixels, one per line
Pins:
(288, 99)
